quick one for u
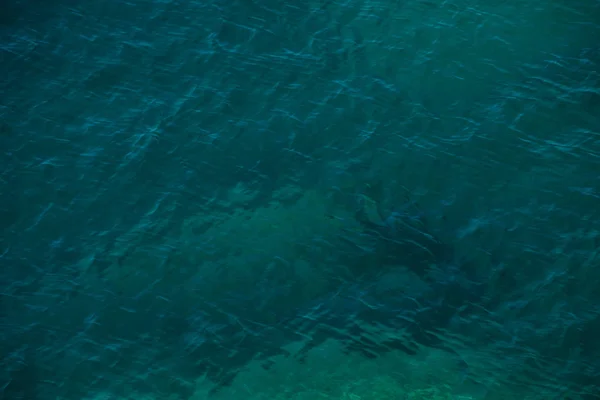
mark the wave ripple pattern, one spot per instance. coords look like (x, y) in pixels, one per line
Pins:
(319, 199)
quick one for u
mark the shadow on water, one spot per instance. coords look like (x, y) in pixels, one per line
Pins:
(29, 13)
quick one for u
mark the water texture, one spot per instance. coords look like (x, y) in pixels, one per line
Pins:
(256, 199)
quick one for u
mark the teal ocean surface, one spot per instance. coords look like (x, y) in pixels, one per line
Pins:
(320, 199)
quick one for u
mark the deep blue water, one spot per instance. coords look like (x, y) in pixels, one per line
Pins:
(192, 189)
